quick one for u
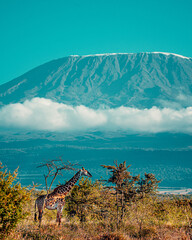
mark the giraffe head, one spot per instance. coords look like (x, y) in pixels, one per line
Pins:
(85, 172)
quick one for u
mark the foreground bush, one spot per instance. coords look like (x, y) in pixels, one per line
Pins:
(85, 200)
(12, 199)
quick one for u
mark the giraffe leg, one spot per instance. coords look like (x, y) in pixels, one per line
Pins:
(59, 213)
(40, 216)
(57, 218)
(35, 215)
(39, 204)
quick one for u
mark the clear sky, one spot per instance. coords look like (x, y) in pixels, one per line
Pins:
(37, 31)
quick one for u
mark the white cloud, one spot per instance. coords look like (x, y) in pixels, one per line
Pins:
(44, 114)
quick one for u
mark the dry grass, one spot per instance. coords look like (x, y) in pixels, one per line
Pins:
(169, 223)
(100, 231)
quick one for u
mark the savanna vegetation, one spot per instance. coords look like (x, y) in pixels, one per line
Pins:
(122, 207)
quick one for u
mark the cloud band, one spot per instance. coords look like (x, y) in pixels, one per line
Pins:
(44, 114)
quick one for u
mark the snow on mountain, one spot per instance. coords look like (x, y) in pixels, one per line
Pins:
(177, 55)
(108, 54)
(140, 80)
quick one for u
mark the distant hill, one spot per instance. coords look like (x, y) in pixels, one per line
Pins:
(135, 80)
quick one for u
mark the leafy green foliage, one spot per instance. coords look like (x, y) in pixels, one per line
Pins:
(84, 199)
(12, 199)
(147, 185)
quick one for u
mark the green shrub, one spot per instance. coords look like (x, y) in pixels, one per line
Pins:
(12, 199)
(83, 200)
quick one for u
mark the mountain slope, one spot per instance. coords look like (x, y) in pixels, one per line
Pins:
(134, 80)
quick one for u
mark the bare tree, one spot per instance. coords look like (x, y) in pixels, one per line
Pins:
(54, 169)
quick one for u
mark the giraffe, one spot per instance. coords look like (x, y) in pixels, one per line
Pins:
(56, 199)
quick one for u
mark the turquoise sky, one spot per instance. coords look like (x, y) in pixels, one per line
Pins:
(36, 31)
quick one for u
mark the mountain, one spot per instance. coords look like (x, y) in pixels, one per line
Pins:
(138, 80)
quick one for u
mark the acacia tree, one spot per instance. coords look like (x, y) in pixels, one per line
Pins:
(54, 169)
(147, 185)
(129, 188)
(124, 184)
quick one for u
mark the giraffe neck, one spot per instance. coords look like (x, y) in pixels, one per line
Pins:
(64, 189)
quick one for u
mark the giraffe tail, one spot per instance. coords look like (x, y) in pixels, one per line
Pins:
(35, 216)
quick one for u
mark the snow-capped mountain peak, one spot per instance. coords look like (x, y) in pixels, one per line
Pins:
(141, 80)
